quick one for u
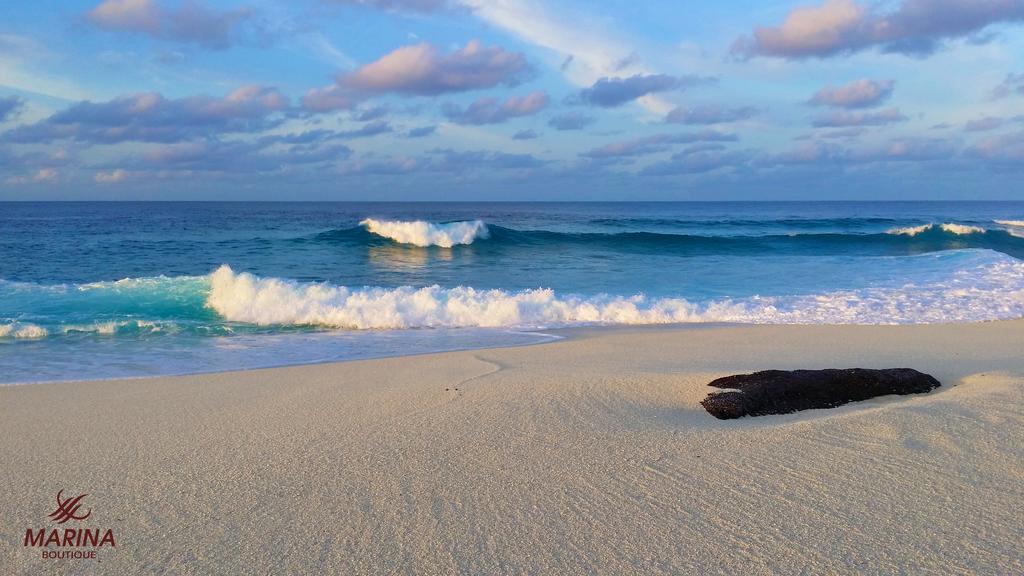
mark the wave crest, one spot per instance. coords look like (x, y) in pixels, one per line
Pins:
(113, 327)
(962, 229)
(242, 297)
(1014, 228)
(951, 227)
(422, 233)
(910, 230)
(22, 330)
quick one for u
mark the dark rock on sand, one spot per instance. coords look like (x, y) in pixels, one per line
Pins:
(785, 391)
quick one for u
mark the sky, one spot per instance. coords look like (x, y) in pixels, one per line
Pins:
(511, 100)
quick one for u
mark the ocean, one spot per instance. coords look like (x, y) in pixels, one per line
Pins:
(101, 290)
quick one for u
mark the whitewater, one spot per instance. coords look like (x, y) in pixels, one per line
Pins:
(994, 292)
(420, 233)
(950, 227)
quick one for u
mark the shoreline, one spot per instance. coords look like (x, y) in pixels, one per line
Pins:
(553, 338)
(553, 335)
(589, 453)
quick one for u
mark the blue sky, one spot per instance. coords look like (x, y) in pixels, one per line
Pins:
(512, 100)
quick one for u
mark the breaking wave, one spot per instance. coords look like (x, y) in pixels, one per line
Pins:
(1014, 228)
(423, 234)
(22, 330)
(906, 240)
(243, 297)
(952, 228)
(982, 285)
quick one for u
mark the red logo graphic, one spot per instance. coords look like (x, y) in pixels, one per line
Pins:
(67, 509)
(81, 543)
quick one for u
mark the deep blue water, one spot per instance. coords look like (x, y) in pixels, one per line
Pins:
(120, 289)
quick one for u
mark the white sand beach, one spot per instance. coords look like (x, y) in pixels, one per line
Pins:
(585, 455)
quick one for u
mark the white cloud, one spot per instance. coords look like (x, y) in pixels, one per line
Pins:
(863, 93)
(594, 54)
(112, 177)
(582, 47)
(43, 175)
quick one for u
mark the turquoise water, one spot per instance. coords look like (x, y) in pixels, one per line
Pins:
(130, 289)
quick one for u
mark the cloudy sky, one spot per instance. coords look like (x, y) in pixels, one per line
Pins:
(511, 99)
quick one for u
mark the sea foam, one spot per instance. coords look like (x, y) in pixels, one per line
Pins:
(992, 292)
(952, 228)
(22, 331)
(422, 233)
(962, 229)
(242, 297)
(113, 327)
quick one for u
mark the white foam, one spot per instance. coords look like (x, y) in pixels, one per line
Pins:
(1014, 227)
(910, 231)
(115, 327)
(952, 228)
(962, 229)
(22, 330)
(241, 297)
(422, 233)
(31, 331)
